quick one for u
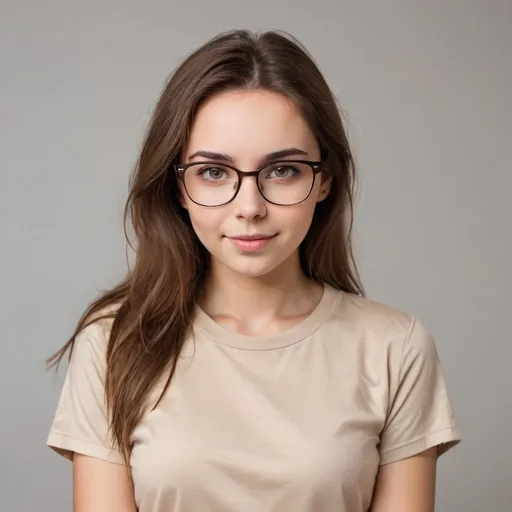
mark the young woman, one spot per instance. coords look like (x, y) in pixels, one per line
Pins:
(239, 366)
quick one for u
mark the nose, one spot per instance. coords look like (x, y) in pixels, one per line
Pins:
(249, 203)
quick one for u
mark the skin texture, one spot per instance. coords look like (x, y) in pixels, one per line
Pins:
(255, 293)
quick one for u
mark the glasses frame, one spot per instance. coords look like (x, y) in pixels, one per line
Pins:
(316, 167)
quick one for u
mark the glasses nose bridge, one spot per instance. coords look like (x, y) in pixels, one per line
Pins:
(249, 174)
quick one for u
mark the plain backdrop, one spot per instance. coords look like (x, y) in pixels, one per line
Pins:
(426, 90)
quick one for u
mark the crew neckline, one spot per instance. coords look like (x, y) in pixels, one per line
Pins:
(330, 298)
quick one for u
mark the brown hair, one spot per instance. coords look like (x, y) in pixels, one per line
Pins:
(152, 308)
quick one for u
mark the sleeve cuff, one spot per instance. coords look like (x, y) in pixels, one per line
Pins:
(65, 445)
(444, 439)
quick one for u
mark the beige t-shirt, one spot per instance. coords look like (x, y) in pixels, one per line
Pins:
(298, 421)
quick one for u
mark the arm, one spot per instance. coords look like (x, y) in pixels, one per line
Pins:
(100, 486)
(102, 482)
(419, 427)
(407, 485)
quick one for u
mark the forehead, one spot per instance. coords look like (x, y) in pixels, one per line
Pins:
(248, 124)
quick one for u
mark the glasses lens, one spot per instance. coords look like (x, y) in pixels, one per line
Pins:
(286, 183)
(210, 184)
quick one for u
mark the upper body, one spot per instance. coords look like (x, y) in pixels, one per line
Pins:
(239, 365)
(301, 420)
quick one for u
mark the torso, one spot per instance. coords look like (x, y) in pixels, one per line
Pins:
(289, 422)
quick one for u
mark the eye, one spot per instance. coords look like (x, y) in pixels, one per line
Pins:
(283, 171)
(212, 173)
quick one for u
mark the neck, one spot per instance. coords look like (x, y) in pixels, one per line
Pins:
(284, 291)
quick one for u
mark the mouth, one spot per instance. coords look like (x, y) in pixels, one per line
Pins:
(251, 242)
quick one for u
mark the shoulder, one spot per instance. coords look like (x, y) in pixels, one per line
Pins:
(365, 316)
(91, 341)
(378, 327)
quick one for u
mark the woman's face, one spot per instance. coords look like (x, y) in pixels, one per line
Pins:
(246, 126)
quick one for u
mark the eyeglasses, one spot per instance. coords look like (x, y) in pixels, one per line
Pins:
(284, 183)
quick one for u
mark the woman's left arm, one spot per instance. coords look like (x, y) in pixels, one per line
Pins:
(407, 485)
(419, 427)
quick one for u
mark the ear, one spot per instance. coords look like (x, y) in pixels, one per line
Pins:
(325, 187)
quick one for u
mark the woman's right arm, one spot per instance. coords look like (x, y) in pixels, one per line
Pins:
(101, 486)
(102, 481)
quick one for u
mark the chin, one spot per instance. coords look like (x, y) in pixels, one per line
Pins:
(254, 265)
(252, 269)
(250, 266)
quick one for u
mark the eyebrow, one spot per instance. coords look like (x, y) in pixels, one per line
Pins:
(275, 155)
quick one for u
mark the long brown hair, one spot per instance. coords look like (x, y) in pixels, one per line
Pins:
(152, 308)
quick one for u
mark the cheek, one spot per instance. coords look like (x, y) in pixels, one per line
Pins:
(297, 220)
(206, 222)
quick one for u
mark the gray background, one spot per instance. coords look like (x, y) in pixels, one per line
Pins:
(426, 88)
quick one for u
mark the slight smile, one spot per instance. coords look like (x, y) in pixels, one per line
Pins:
(252, 242)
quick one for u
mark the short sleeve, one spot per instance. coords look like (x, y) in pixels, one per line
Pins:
(420, 414)
(80, 423)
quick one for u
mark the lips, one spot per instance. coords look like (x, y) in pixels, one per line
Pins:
(251, 242)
